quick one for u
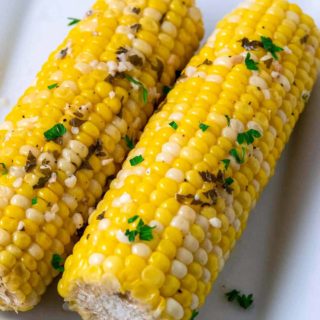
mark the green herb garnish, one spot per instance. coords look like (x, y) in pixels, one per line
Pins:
(229, 181)
(245, 301)
(232, 295)
(204, 127)
(57, 262)
(226, 163)
(52, 86)
(133, 219)
(250, 63)
(58, 130)
(4, 168)
(73, 21)
(129, 142)
(34, 201)
(271, 47)
(228, 120)
(195, 313)
(248, 136)
(166, 90)
(136, 160)
(145, 92)
(240, 159)
(142, 230)
(173, 125)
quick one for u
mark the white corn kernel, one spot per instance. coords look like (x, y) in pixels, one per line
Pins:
(194, 302)
(201, 256)
(36, 251)
(178, 269)
(206, 275)
(181, 224)
(77, 220)
(191, 243)
(164, 157)
(187, 213)
(96, 259)
(175, 174)
(185, 256)
(35, 215)
(174, 309)
(104, 224)
(20, 201)
(203, 222)
(71, 181)
(141, 250)
(171, 148)
(79, 148)
(216, 222)
(17, 183)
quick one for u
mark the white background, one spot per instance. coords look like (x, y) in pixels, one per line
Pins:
(278, 258)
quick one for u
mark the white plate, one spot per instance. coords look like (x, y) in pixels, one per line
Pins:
(278, 258)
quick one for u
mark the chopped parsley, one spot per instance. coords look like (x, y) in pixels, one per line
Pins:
(173, 125)
(133, 219)
(166, 90)
(245, 301)
(57, 262)
(141, 85)
(195, 313)
(142, 230)
(229, 181)
(204, 127)
(34, 201)
(4, 168)
(270, 47)
(228, 120)
(129, 142)
(73, 21)
(248, 136)
(57, 131)
(52, 86)
(234, 153)
(226, 163)
(136, 160)
(250, 63)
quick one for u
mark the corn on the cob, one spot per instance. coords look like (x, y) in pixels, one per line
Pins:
(69, 132)
(164, 230)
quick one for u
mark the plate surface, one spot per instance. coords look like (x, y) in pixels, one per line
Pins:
(278, 258)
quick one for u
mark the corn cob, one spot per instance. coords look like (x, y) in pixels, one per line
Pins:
(165, 228)
(71, 130)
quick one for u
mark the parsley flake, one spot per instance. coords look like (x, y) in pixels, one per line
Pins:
(166, 90)
(229, 181)
(73, 21)
(52, 86)
(4, 168)
(55, 132)
(271, 47)
(248, 136)
(136, 160)
(34, 201)
(129, 142)
(204, 127)
(145, 92)
(133, 219)
(250, 63)
(57, 262)
(232, 295)
(226, 163)
(142, 230)
(245, 301)
(195, 313)
(173, 125)
(234, 153)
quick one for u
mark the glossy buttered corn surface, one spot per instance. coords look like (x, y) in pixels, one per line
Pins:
(167, 225)
(71, 130)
